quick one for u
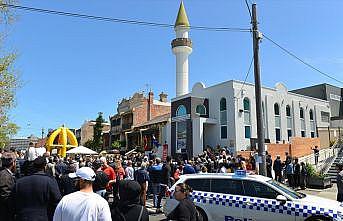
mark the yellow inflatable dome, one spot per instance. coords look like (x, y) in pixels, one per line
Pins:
(65, 139)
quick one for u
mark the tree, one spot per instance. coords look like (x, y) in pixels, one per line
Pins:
(90, 144)
(97, 135)
(9, 81)
(116, 144)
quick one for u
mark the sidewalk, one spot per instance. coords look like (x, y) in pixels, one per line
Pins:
(329, 193)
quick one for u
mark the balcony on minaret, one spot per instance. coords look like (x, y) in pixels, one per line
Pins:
(181, 42)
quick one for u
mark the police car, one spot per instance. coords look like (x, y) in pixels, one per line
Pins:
(245, 197)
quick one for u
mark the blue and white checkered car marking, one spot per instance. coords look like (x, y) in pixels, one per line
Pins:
(267, 205)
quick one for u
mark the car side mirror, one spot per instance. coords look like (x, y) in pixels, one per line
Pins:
(281, 198)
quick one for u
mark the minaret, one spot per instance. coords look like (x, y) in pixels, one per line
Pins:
(182, 48)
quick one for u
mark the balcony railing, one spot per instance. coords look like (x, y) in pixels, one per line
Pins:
(126, 126)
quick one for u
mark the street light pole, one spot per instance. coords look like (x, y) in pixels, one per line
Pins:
(42, 133)
(260, 131)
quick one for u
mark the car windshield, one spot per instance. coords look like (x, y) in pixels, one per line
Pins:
(285, 189)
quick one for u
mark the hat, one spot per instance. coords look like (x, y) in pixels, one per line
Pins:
(84, 173)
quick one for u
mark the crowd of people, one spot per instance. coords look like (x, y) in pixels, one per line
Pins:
(37, 186)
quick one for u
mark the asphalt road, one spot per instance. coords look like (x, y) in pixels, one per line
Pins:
(329, 193)
(153, 216)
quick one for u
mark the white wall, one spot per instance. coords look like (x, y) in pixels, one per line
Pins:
(166, 136)
(214, 94)
(231, 90)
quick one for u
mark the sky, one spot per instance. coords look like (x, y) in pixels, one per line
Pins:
(73, 68)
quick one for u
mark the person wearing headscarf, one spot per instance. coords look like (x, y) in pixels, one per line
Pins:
(129, 206)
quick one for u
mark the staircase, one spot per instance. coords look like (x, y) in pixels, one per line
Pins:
(332, 172)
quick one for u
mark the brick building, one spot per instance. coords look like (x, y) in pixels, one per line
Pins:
(134, 114)
(86, 132)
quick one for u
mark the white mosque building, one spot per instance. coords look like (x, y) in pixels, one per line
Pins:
(224, 114)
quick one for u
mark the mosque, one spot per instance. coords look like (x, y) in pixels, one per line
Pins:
(224, 114)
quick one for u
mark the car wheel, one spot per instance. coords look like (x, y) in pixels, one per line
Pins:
(319, 218)
(201, 214)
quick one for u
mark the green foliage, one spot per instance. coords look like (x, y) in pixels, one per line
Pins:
(6, 131)
(311, 171)
(7, 15)
(332, 142)
(97, 136)
(9, 81)
(90, 144)
(116, 144)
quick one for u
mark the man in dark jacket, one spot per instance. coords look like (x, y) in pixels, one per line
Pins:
(7, 182)
(297, 170)
(155, 173)
(36, 196)
(269, 163)
(142, 177)
(277, 167)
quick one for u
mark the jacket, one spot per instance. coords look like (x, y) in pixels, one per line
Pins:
(7, 182)
(36, 197)
(155, 173)
(185, 211)
(277, 167)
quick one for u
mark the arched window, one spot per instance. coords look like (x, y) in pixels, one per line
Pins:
(181, 111)
(301, 113)
(289, 122)
(302, 123)
(276, 109)
(222, 104)
(246, 104)
(223, 119)
(288, 111)
(247, 122)
(200, 109)
(277, 122)
(312, 125)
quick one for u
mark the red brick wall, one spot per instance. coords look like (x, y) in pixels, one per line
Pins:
(140, 114)
(245, 154)
(299, 147)
(278, 149)
(302, 146)
(158, 110)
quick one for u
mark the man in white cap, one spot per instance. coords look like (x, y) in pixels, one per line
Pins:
(83, 204)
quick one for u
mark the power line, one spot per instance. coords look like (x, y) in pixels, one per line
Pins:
(117, 20)
(246, 77)
(301, 60)
(247, 4)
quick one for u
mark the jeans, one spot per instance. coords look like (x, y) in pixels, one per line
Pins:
(156, 189)
(162, 194)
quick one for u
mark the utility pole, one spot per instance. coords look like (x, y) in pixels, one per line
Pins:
(260, 131)
(42, 133)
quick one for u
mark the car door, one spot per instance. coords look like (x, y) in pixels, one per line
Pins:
(226, 198)
(201, 193)
(260, 203)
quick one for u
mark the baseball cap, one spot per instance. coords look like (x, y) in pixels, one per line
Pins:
(84, 173)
